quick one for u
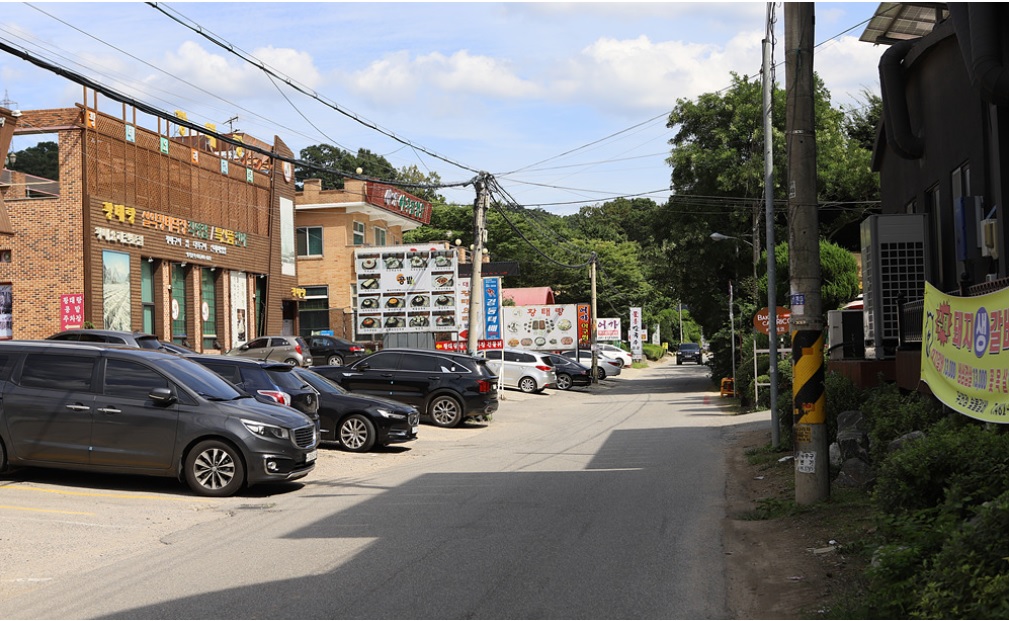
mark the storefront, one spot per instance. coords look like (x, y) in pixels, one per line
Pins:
(161, 230)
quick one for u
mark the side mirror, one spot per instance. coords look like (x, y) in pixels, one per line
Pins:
(162, 396)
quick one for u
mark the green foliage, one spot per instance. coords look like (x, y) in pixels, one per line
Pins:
(892, 415)
(330, 158)
(838, 273)
(41, 160)
(652, 352)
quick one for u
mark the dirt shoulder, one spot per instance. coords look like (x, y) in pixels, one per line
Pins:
(787, 567)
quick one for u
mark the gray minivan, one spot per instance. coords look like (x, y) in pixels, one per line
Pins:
(138, 411)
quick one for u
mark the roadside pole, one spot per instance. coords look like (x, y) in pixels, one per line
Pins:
(809, 429)
(772, 299)
(476, 278)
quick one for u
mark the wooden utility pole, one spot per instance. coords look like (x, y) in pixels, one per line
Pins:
(476, 277)
(809, 429)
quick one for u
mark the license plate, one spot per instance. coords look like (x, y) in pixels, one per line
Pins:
(309, 457)
(413, 429)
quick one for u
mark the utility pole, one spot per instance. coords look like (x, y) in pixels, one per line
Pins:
(772, 294)
(592, 326)
(809, 429)
(476, 278)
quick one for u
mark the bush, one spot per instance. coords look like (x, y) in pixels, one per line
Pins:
(891, 415)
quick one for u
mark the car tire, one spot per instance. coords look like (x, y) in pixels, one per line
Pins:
(563, 381)
(356, 434)
(214, 468)
(678, 361)
(445, 411)
(292, 361)
(3, 457)
(527, 385)
(600, 373)
(335, 360)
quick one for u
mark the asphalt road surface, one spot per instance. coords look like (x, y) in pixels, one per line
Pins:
(601, 502)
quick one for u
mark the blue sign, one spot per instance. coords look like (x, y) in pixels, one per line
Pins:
(492, 308)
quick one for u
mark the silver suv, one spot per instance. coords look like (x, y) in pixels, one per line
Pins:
(529, 371)
(290, 349)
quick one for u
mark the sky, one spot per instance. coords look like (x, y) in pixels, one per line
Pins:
(565, 104)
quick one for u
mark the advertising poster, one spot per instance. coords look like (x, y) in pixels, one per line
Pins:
(492, 308)
(964, 347)
(584, 326)
(71, 311)
(607, 329)
(634, 332)
(541, 327)
(116, 312)
(6, 312)
(406, 289)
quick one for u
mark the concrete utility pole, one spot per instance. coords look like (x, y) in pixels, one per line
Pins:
(772, 295)
(476, 278)
(809, 429)
(592, 327)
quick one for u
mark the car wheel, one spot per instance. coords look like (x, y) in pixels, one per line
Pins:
(336, 360)
(563, 381)
(527, 385)
(356, 434)
(214, 468)
(292, 361)
(3, 457)
(678, 361)
(445, 411)
(600, 373)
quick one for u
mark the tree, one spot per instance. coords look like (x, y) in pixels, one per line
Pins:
(332, 165)
(421, 185)
(41, 160)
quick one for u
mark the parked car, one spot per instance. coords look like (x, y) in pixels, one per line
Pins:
(360, 422)
(570, 372)
(529, 371)
(137, 411)
(616, 352)
(605, 365)
(290, 349)
(689, 352)
(334, 350)
(445, 387)
(266, 380)
(114, 337)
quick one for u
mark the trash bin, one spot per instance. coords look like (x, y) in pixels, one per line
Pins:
(728, 389)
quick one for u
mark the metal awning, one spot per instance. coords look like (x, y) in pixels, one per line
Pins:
(899, 21)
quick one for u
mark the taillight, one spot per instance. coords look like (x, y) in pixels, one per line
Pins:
(280, 397)
(543, 367)
(355, 348)
(482, 386)
(297, 347)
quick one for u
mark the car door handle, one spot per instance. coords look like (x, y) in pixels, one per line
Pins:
(110, 410)
(77, 407)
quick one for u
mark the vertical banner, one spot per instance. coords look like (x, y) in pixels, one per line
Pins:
(963, 357)
(492, 308)
(6, 312)
(584, 326)
(239, 286)
(288, 261)
(71, 311)
(634, 332)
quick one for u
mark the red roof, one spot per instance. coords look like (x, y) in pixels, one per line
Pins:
(529, 296)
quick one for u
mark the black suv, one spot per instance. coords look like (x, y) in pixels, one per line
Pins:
(333, 350)
(266, 380)
(688, 352)
(360, 422)
(446, 387)
(138, 411)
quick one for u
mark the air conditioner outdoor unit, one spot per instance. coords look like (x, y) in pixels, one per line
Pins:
(894, 264)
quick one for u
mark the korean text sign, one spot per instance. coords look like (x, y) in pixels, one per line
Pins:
(964, 361)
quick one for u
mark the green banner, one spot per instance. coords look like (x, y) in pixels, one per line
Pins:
(965, 352)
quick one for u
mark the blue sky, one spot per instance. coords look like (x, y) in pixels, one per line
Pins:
(564, 102)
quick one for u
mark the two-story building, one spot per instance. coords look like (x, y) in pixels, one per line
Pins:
(156, 229)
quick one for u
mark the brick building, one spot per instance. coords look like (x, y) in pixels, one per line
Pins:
(330, 225)
(145, 230)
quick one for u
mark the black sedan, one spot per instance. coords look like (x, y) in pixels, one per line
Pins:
(333, 350)
(569, 372)
(360, 422)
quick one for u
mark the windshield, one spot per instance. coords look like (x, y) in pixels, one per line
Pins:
(286, 379)
(318, 382)
(690, 347)
(200, 379)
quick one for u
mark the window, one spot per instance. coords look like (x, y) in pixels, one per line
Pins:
(208, 309)
(309, 239)
(63, 372)
(178, 302)
(147, 295)
(358, 233)
(131, 380)
(313, 312)
(379, 236)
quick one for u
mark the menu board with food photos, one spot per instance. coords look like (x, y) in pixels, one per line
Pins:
(406, 289)
(541, 327)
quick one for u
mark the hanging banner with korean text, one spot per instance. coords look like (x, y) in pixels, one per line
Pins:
(964, 347)
(608, 329)
(634, 333)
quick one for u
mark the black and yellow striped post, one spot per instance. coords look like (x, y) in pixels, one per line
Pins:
(809, 417)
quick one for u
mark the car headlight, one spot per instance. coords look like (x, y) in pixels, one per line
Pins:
(384, 413)
(267, 431)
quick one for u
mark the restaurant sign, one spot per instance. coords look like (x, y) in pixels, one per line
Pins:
(398, 201)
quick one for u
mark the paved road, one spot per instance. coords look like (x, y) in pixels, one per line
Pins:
(604, 502)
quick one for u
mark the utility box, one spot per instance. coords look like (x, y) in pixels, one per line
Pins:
(894, 265)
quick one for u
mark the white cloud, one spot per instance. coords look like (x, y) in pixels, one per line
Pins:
(401, 76)
(848, 67)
